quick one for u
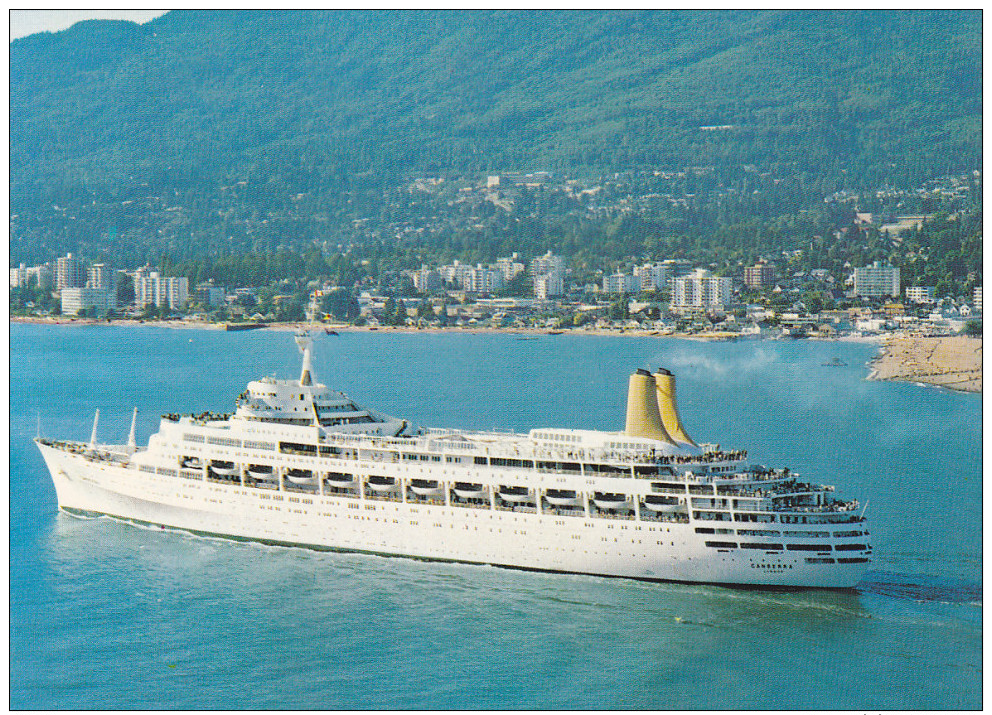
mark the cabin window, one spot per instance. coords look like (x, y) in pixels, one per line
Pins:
(766, 547)
(224, 441)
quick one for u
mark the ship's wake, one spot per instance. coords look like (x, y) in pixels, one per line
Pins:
(919, 587)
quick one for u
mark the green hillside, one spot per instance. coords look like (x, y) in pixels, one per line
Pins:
(328, 103)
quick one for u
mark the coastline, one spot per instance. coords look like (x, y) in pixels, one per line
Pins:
(952, 362)
(344, 328)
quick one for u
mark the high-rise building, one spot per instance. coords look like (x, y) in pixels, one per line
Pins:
(701, 289)
(18, 276)
(621, 284)
(549, 285)
(77, 299)
(977, 298)
(876, 281)
(42, 275)
(98, 276)
(482, 280)
(509, 267)
(150, 288)
(921, 294)
(653, 276)
(759, 275)
(548, 265)
(69, 272)
(426, 279)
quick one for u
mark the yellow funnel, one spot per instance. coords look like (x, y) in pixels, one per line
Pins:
(665, 384)
(643, 417)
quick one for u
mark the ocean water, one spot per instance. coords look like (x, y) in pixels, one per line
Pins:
(109, 615)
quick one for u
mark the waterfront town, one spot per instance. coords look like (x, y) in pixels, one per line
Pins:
(666, 297)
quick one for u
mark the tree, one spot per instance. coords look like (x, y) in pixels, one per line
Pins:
(619, 309)
(973, 328)
(389, 311)
(125, 290)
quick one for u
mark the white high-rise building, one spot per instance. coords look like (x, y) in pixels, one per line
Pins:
(18, 276)
(653, 276)
(547, 263)
(701, 289)
(426, 279)
(77, 299)
(153, 289)
(69, 272)
(98, 276)
(977, 299)
(482, 280)
(42, 275)
(510, 267)
(549, 285)
(548, 275)
(921, 294)
(621, 283)
(876, 281)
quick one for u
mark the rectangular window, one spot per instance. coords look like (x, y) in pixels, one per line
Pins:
(721, 544)
(808, 547)
(224, 441)
(296, 448)
(193, 437)
(766, 547)
(258, 445)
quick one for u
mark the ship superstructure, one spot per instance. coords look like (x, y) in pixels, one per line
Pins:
(299, 464)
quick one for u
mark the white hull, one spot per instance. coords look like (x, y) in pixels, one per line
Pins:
(543, 541)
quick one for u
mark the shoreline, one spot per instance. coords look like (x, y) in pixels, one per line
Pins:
(951, 362)
(525, 332)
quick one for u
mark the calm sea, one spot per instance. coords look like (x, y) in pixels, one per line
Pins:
(106, 615)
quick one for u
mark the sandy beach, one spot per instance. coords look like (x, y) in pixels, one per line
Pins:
(954, 362)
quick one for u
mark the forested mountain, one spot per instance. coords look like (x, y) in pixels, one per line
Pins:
(323, 108)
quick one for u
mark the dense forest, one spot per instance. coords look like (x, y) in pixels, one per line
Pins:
(206, 137)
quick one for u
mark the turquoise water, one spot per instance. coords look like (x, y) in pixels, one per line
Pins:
(107, 615)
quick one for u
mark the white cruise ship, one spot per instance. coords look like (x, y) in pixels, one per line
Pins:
(299, 464)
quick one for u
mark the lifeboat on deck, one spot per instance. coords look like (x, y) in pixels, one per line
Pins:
(261, 471)
(425, 487)
(562, 497)
(226, 469)
(381, 484)
(610, 502)
(664, 505)
(469, 491)
(191, 463)
(301, 476)
(340, 480)
(516, 495)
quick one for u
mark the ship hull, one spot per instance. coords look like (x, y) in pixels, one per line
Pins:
(663, 551)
